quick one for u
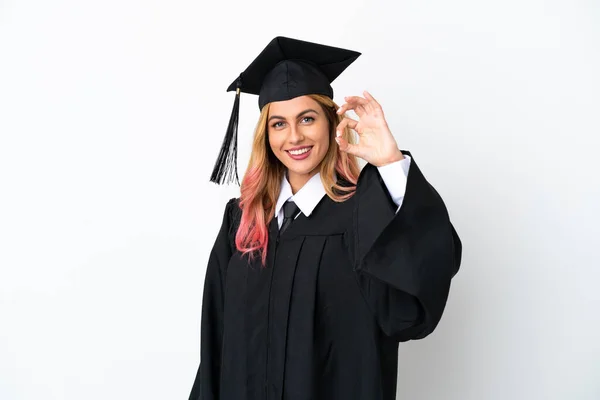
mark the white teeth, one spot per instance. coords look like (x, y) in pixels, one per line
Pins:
(298, 152)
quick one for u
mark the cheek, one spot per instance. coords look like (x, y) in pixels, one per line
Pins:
(324, 138)
(273, 141)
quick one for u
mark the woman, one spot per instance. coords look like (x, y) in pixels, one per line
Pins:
(319, 269)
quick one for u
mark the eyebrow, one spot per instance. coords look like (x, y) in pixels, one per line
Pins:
(297, 116)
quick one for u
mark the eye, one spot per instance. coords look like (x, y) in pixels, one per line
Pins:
(308, 119)
(277, 124)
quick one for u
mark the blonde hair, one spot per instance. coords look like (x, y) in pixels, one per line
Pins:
(261, 184)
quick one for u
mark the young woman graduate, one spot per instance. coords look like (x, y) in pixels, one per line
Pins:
(320, 268)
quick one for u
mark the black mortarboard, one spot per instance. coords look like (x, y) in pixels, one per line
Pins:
(285, 69)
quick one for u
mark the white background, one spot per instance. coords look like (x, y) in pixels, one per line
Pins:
(111, 115)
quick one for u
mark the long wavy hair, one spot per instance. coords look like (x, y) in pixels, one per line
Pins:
(261, 184)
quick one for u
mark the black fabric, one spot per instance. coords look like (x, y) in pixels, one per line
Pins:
(341, 289)
(290, 210)
(287, 68)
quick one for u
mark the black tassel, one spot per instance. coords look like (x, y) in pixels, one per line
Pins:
(225, 169)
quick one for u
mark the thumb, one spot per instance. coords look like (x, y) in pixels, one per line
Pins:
(347, 147)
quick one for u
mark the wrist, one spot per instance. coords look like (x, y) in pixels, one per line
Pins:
(397, 156)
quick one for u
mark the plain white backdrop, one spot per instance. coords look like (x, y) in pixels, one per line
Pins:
(111, 116)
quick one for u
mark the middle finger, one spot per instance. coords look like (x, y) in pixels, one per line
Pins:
(346, 122)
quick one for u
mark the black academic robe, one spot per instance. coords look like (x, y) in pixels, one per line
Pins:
(341, 289)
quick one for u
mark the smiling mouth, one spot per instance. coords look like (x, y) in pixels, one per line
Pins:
(299, 152)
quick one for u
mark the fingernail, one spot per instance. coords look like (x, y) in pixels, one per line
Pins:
(339, 109)
(338, 133)
(337, 139)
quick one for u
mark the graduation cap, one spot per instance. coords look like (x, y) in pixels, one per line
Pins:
(285, 69)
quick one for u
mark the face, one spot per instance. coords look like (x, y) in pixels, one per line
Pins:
(298, 132)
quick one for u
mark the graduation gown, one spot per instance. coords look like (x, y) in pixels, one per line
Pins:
(341, 289)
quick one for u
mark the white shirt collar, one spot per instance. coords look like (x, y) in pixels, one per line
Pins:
(306, 198)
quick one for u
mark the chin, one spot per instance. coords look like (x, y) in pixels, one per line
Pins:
(302, 171)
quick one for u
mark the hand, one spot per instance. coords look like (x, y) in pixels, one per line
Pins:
(376, 144)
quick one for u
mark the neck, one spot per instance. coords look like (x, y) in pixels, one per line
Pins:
(297, 181)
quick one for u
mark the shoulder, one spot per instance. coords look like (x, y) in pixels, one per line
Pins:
(232, 209)
(232, 204)
(233, 214)
(230, 222)
(343, 183)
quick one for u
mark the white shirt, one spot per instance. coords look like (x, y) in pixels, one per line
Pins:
(394, 176)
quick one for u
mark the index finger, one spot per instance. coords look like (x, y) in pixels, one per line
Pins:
(352, 103)
(356, 99)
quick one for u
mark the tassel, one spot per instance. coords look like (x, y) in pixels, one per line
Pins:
(225, 169)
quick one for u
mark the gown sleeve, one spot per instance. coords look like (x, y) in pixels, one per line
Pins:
(394, 177)
(206, 383)
(404, 258)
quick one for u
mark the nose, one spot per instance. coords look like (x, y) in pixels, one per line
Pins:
(296, 135)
